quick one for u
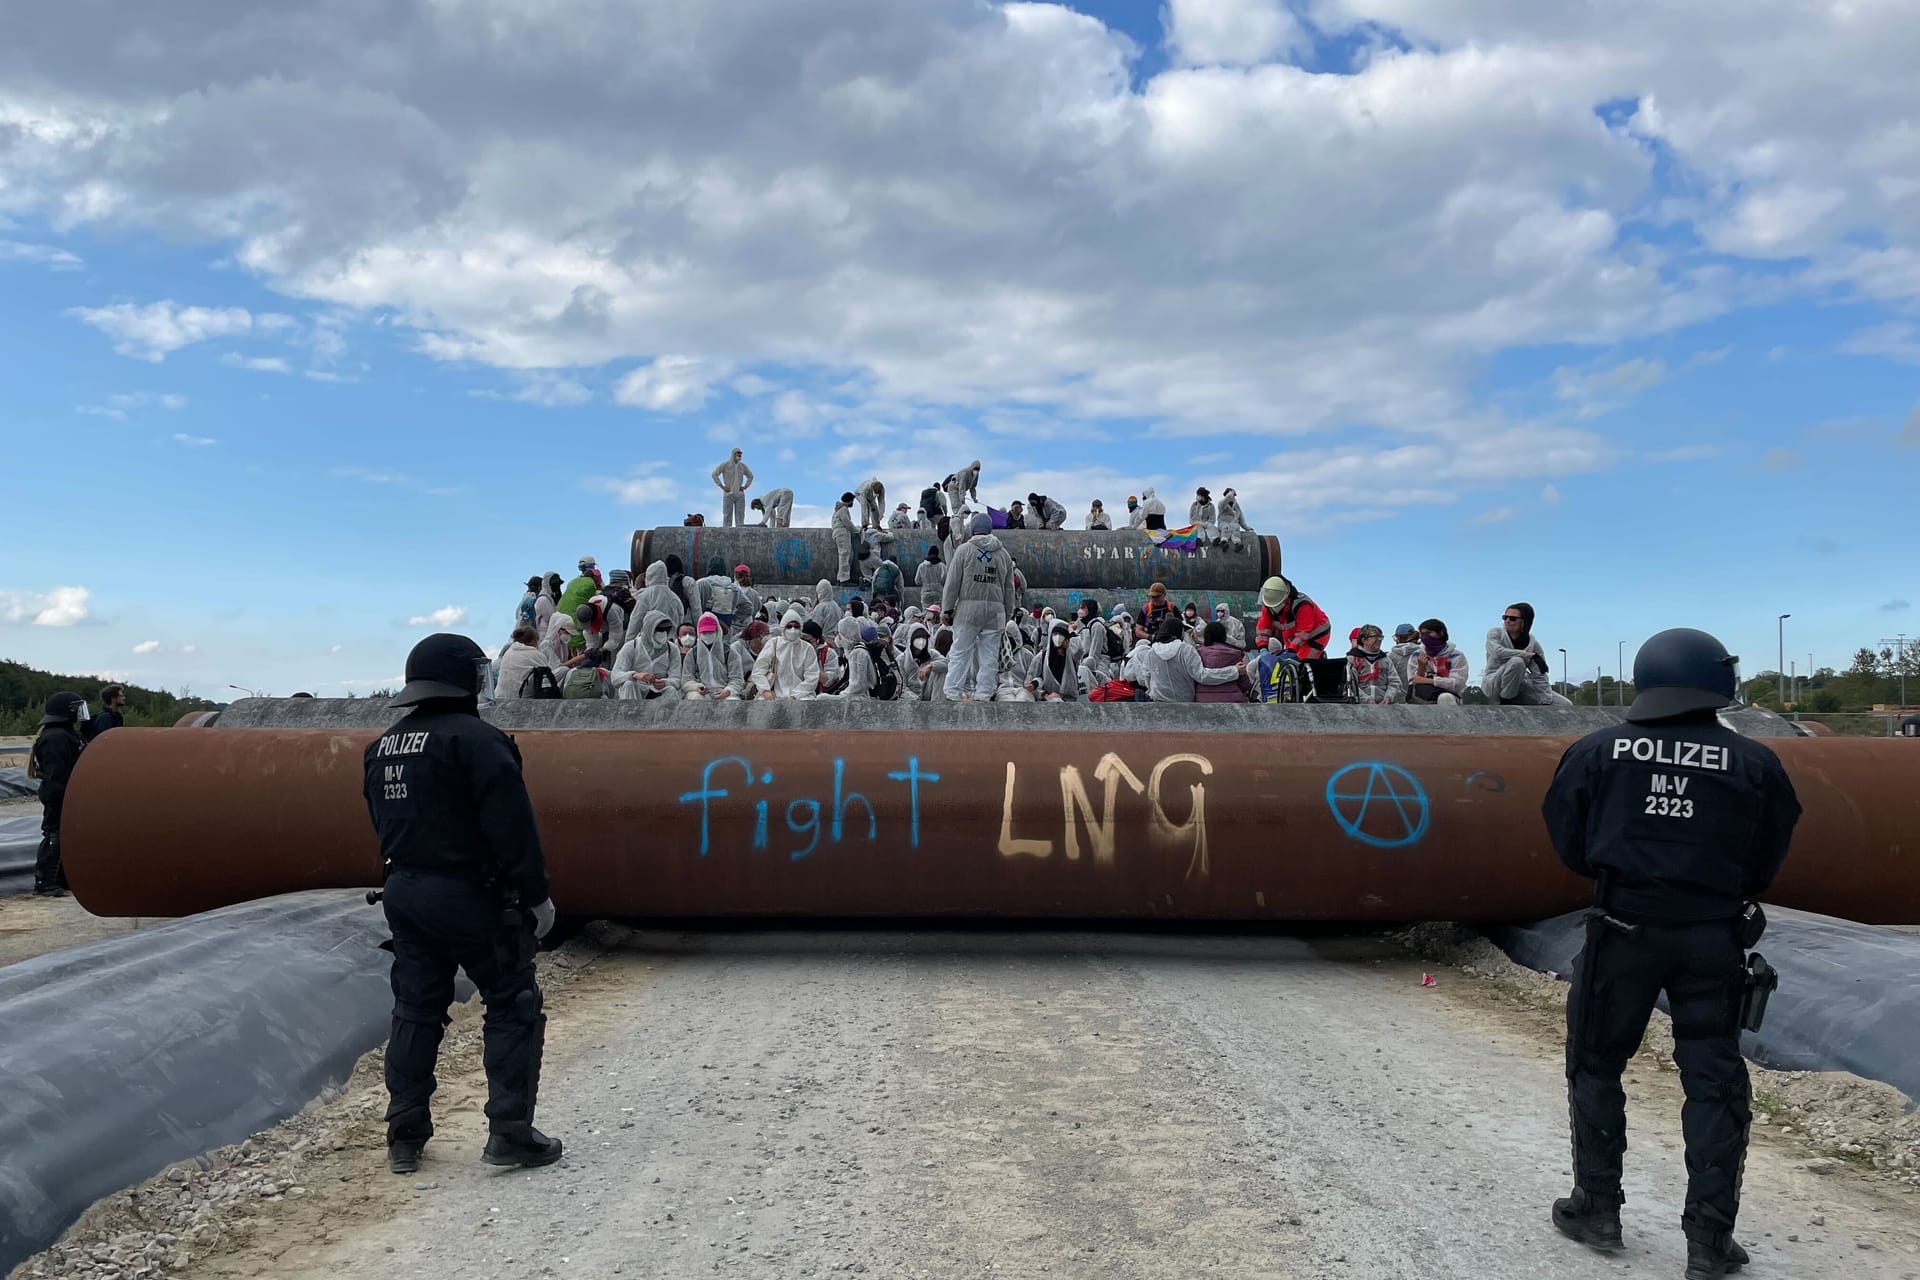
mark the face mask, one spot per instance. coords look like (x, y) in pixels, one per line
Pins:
(1432, 644)
(793, 633)
(1059, 641)
(920, 646)
(686, 642)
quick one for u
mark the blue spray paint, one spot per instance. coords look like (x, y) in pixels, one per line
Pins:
(1395, 796)
(802, 813)
(913, 778)
(706, 795)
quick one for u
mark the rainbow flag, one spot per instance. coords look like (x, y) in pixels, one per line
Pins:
(1185, 539)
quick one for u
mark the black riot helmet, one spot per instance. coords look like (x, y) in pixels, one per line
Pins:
(1679, 671)
(443, 665)
(63, 708)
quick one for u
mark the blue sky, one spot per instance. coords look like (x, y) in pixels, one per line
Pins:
(303, 343)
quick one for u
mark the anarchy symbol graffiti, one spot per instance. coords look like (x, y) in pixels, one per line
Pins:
(1379, 804)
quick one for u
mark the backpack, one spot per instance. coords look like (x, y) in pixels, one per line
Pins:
(1116, 647)
(540, 684)
(582, 682)
(886, 680)
(1113, 691)
(723, 600)
(525, 615)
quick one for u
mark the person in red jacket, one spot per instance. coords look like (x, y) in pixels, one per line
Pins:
(1301, 624)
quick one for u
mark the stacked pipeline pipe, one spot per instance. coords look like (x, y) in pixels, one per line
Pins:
(1060, 566)
(1085, 810)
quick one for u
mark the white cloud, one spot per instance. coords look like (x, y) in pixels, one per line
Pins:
(1781, 460)
(642, 485)
(981, 204)
(189, 648)
(1776, 354)
(1686, 453)
(1597, 391)
(146, 399)
(258, 364)
(1896, 340)
(1494, 515)
(147, 646)
(447, 616)
(44, 255)
(669, 384)
(158, 329)
(60, 607)
(328, 375)
(1550, 495)
(193, 442)
(1234, 32)
(549, 390)
(336, 648)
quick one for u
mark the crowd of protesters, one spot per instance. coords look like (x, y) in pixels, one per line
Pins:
(971, 636)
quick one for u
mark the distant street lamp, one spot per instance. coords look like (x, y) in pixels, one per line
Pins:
(1780, 672)
(249, 692)
(1564, 686)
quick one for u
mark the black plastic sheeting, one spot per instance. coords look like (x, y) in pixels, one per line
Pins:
(15, 785)
(1849, 997)
(123, 1056)
(19, 846)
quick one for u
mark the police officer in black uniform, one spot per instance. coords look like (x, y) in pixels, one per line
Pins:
(466, 887)
(56, 750)
(1682, 822)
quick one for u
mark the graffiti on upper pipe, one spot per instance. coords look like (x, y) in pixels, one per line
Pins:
(1386, 793)
(802, 815)
(1077, 807)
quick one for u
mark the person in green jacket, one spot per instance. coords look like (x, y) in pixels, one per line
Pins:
(581, 589)
(886, 582)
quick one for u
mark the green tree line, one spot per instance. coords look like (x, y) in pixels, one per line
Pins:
(24, 692)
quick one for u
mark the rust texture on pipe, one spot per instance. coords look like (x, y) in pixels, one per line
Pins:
(1037, 824)
(1050, 560)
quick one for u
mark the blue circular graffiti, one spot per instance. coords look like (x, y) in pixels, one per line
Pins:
(793, 559)
(1386, 793)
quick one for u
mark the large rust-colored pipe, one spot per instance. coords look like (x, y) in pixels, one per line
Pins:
(1032, 824)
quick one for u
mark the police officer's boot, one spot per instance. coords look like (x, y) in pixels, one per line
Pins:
(522, 1146)
(1707, 1262)
(403, 1154)
(1592, 1220)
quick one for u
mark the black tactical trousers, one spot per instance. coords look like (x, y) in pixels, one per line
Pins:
(48, 873)
(1616, 982)
(440, 923)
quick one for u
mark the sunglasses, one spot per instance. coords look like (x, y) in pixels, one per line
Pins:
(1510, 617)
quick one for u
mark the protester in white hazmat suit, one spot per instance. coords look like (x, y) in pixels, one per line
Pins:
(825, 609)
(1203, 516)
(967, 480)
(789, 666)
(710, 670)
(1153, 512)
(1055, 676)
(1233, 525)
(645, 665)
(844, 535)
(775, 508)
(931, 576)
(873, 502)
(733, 477)
(1517, 671)
(976, 601)
(656, 594)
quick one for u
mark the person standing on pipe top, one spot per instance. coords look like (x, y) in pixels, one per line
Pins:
(733, 478)
(56, 750)
(1683, 823)
(466, 888)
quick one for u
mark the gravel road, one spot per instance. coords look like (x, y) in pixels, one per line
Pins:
(786, 1104)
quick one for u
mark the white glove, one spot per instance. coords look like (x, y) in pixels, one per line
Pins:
(543, 919)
